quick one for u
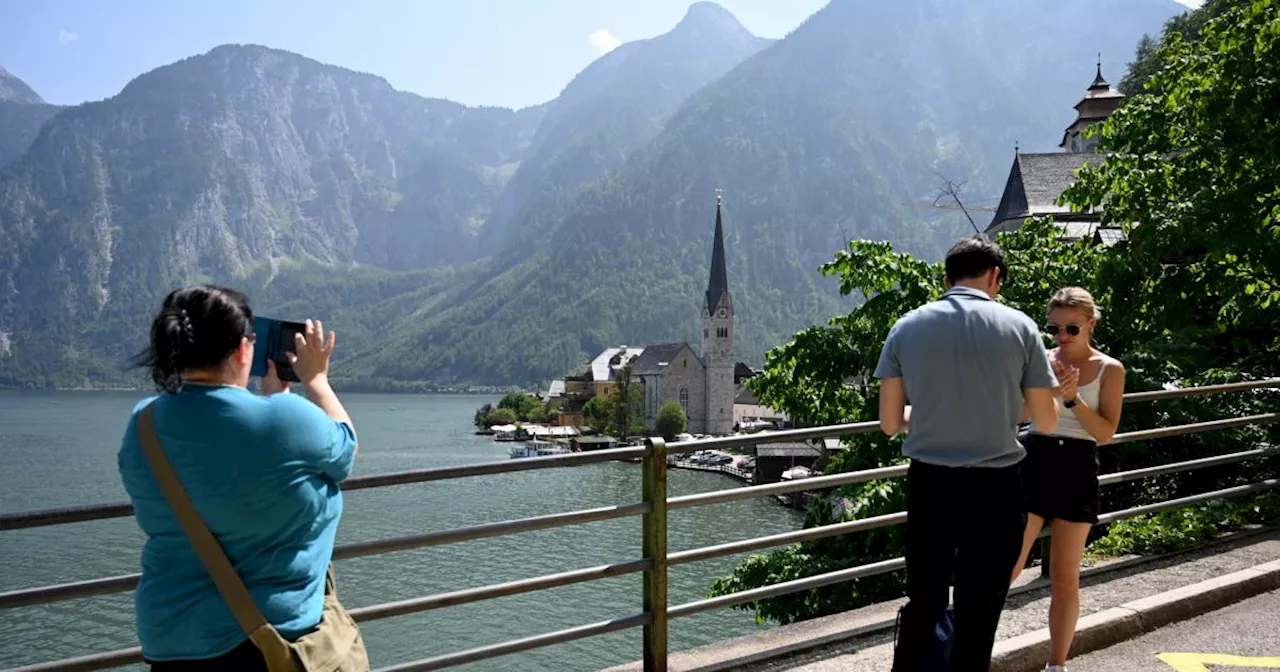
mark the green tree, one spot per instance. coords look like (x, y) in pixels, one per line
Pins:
(592, 413)
(671, 420)
(481, 419)
(624, 406)
(1193, 175)
(1191, 298)
(823, 376)
(1148, 59)
(502, 416)
(527, 407)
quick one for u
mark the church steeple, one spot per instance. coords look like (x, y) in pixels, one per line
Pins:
(1099, 83)
(1098, 103)
(717, 337)
(718, 285)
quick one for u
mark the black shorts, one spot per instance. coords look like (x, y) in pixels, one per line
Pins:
(1060, 478)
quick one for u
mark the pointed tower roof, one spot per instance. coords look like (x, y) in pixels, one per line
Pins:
(1098, 103)
(718, 285)
(1099, 83)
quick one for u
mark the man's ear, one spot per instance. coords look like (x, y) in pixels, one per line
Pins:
(946, 282)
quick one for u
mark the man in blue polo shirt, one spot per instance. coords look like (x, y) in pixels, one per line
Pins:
(966, 365)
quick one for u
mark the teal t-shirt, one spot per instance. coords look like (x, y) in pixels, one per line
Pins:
(263, 472)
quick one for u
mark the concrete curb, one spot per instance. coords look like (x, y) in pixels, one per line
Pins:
(1029, 651)
(782, 641)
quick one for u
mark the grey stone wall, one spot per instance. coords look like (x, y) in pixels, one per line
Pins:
(686, 372)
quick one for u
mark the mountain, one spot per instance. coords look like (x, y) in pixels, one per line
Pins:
(22, 113)
(14, 90)
(843, 129)
(613, 107)
(325, 192)
(224, 163)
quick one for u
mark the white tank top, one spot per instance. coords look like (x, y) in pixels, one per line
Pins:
(1068, 425)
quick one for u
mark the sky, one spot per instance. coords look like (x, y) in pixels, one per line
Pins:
(510, 53)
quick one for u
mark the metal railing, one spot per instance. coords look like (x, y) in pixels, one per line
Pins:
(653, 508)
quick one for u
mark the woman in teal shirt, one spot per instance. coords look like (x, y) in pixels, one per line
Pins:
(263, 472)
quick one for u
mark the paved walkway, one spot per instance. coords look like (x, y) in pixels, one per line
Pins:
(1244, 636)
(1028, 611)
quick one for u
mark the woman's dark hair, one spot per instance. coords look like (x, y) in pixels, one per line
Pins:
(198, 327)
(974, 256)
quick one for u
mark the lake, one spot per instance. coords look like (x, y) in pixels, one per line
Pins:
(59, 449)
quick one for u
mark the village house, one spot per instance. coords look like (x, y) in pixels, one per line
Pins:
(707, 383)
(1036, 180)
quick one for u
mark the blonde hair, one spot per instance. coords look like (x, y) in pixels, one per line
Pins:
(1078, 298)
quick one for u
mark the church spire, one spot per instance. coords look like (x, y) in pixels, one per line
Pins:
(718, 285)
(1099, 82)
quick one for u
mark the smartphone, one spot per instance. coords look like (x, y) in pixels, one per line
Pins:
(273, 339)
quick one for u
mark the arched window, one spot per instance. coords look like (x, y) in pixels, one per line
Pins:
(684, 400)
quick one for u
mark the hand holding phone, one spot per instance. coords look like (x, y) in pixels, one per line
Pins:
(311, 352)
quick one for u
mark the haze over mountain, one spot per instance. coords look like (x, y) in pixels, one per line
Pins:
(616, 105)
(325, 191)
(22, 113)
(841, 130)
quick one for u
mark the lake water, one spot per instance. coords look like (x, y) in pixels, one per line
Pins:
(59, 449)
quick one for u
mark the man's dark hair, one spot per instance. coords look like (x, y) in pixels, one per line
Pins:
(974, 256)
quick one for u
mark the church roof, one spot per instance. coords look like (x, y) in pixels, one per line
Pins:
(718, 285)
(1035, 183)
(603, 366)
(656, 358)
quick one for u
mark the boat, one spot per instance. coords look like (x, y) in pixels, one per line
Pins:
(537, 449)
(796, 473)
(504, 432)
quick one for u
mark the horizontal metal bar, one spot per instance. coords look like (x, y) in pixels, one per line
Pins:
(489, 530)
(742, 597)
(484, 469)
(1157, 395)
(76, 514)
(765, 438)
(118, 584)
(1189, 465)
(64, 515)
(798, 485)
(134, 655)
(390, 609)
(25, 597)
(93, 661)
(44, 594)
(515, 646)
(786, 538)
(60, 516)
(1260, 486)
(1195, 428)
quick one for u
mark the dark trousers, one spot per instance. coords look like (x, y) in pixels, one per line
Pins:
(966, 523)
(243, 658)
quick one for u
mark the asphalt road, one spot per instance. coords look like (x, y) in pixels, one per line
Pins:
(1244, 636)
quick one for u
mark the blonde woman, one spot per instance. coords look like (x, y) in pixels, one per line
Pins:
(1060, 472)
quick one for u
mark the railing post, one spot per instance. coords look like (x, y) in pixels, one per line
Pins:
(654, 492)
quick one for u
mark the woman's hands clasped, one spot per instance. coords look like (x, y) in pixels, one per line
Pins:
(1068, 378)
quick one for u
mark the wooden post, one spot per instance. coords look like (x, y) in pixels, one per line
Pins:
(654, 492)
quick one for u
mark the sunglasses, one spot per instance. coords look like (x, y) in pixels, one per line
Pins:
(1053, 329)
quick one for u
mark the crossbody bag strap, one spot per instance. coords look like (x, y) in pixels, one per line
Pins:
(211, 555)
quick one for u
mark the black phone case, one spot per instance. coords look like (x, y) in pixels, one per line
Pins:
(282, 342)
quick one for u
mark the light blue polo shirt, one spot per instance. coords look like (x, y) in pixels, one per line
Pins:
(964, 361)
(263, 472)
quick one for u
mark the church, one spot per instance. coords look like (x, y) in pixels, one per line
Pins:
(1037, 180)
(705, 382)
